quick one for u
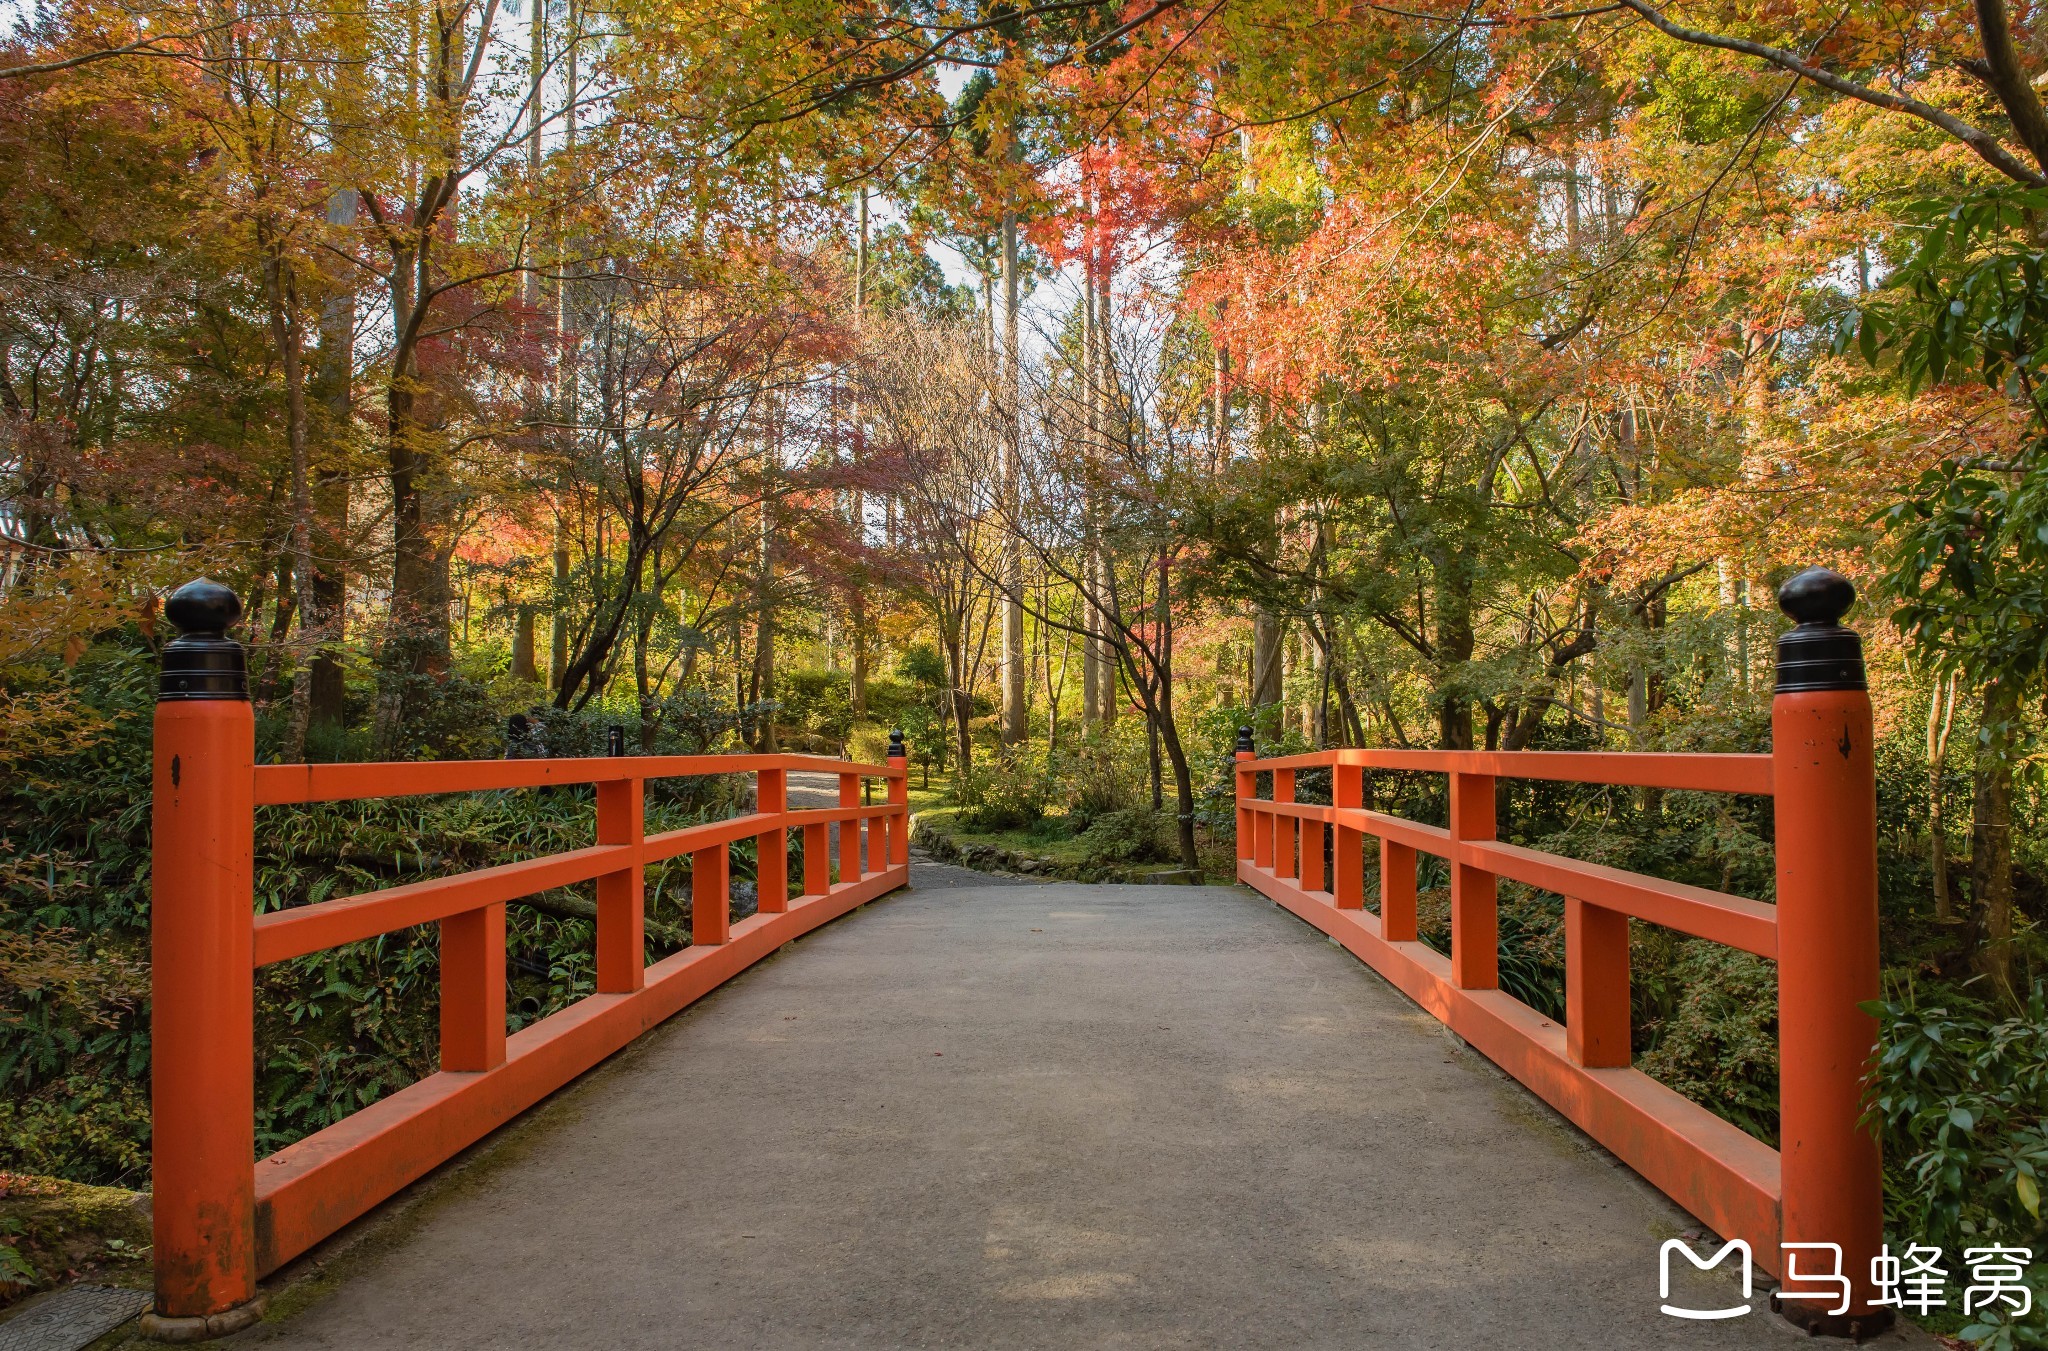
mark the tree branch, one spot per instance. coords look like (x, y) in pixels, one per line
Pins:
(1987, 146)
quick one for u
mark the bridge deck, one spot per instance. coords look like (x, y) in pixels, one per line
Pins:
(1047, 1116)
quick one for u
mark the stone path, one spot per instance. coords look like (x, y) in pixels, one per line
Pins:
(1035, 1116)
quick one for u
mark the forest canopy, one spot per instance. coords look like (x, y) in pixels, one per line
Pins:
(1065, 383)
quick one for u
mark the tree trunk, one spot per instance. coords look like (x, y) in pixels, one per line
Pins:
(1268, 639)
(558, 629)
(1454, 640)
(323, 618)
(764, 630)
(282, 292)
(1011, 402)
(524, 666)
(1991, 836)
(1941, 711)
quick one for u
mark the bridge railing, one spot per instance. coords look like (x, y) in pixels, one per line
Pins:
(224, 1218)
(1822, 1185)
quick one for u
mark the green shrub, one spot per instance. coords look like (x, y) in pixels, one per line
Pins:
(1130, 835)
(1719, 1046)
(1010, 795)
(1103, 774)
(1959, 1097)
(868, 743)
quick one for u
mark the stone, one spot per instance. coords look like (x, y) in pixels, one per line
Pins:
(185, 1330)
(70, 1318)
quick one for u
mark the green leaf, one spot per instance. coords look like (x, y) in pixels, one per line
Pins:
(1962, 1118)
(2030, 1194)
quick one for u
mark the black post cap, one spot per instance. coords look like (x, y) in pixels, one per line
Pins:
(202, 662)
(615, 740)
(897, 750)
(1244, 741)
(1819, 653)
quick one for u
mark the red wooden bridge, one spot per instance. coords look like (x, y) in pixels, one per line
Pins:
(226, 1219)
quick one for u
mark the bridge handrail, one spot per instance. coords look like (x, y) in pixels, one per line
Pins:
(282, 785)
(1697, 771)
(1823, 1184)
(223, 1219)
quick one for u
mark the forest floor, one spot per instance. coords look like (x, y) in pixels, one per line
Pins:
(1032, 1115)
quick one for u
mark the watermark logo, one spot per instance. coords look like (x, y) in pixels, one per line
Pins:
(1912, 1281)
(1799, 1272)
(1733, 1245)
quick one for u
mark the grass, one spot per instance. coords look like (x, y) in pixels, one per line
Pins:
(922, 799)
(53, 1231)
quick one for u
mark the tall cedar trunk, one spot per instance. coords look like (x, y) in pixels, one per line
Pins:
(558, 628)
(1454, 642)
(524, 666)
(1011, 403)
(1941, 711)
(857, 619)
(764, 629)
(1102, 388)
(1991, 836)
(419, 599)
(1268, 640)
(958, 702)
(324, 618)
(296, 568)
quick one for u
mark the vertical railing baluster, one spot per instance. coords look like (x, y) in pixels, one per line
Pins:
(473, 989)
(1286, 829)
(1397, 892)
(771, 847)
(878, 838)
(1596, 988)
(849, 831)
(622, 893)
(1312, 854)
(1347, 849)
(817, 859)
(1475, 923)
(710, 897)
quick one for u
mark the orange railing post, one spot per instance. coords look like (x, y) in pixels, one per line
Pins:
(202, 983)
(899, 798)
(1825, 788)
(817, 860)
(771, 847)
(1596, 990)
(1347, 849)
(849, 831)
(1398, 922)
(1247, 789)
(1475, 922)
(1286, 829)
(621, 895)
(710, 897)
(473, 988)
